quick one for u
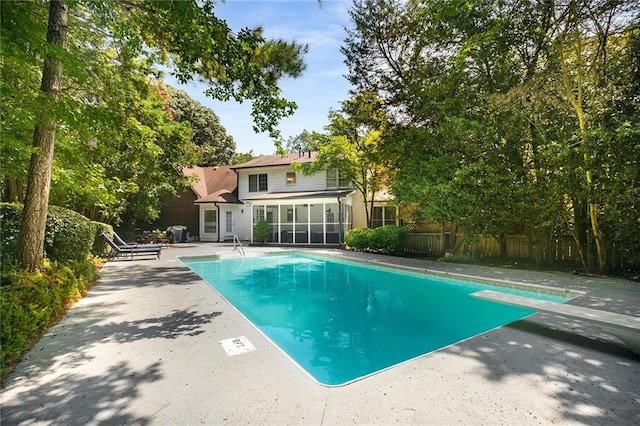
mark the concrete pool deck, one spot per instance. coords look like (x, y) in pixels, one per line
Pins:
(143, 347)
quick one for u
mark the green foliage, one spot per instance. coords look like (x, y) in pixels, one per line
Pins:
(304, 142)
(239, 65)
(31, 302)
(261, 231)
(213, 145)
(359, 238)
(352, 146)
(509, 117)
(69, 236)
(10, 220)
(389, 239)
(118, 151)
(100, 248)
(240, 158)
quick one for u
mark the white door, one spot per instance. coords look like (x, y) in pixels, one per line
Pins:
(209, 225)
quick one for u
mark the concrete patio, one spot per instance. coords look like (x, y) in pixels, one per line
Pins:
(143, 348)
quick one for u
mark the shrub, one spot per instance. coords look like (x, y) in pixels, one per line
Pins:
(386, 239)
(69, 235)
(261, 231)
(100, 247)
(359, 238)
(10, 220)
(31, 302)
(389, 239)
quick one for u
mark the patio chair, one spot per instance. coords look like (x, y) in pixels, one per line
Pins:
(122, 244)
(132, 250)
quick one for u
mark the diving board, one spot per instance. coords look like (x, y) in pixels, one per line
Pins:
(624, 327)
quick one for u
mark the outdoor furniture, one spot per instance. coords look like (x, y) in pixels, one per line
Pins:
(624, 327)
(122, 244)
(131, 250)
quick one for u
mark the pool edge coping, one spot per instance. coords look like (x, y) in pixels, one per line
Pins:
(556, 291)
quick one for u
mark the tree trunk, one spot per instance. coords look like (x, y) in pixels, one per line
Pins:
(39, 181)
(502, 240)
(13, 190)
(575, 97)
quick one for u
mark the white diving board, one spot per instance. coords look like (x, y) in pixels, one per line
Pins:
(624, 327)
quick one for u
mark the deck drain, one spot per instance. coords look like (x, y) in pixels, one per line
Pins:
(237, 346)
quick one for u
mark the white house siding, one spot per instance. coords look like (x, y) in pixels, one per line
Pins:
(243, 222)
(359, 212)
(240, 226)
(277, 181)
(273, 207)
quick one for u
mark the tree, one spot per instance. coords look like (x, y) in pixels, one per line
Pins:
(212, 143)
(351, 145)
(472, 88)
(241, 65)
(301, 143)
(36, 201)
(242, 158)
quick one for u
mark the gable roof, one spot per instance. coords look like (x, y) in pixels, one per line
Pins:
(213, 184)
(278, 160)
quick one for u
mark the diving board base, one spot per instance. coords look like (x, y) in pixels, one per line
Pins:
(624, 327)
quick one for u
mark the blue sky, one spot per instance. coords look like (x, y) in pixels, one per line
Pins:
(321, 87)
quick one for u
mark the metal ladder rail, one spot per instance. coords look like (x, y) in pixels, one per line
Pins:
(237, 245)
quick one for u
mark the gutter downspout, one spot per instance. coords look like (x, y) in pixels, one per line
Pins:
(217, 220)
(340, 226)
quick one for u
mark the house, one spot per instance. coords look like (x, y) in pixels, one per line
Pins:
(209, 185)
(317, 209)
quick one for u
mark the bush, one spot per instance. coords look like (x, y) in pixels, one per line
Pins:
(100, 247)
(10, 220)
(386, 239)
(359, 238)
(31, 302)
(389, 239)
(261, 231)
(69, 236)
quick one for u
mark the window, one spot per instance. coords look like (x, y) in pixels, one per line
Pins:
(291, 178)
(383, 216)
(336, 179)
(258, 183)
(229, 222)
(210, 221)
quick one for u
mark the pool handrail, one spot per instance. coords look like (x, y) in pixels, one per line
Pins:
(237, 245)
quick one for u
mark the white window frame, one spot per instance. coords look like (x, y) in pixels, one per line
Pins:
(260, 182)
(336, 179)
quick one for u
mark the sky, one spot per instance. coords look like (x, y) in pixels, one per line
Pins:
(322, 86)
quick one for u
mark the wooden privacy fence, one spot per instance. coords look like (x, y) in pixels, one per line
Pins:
(518, 247)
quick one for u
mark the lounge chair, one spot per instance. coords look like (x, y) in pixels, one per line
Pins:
(132, 250)
(122, 244)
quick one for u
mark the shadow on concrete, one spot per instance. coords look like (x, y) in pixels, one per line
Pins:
(594, 378)
(80, 400)
(61, 380)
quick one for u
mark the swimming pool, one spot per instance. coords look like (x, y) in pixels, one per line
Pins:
(341, 321)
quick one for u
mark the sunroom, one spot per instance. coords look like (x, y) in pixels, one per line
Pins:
(317, 217)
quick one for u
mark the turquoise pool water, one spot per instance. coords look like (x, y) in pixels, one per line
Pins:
(341, 321)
